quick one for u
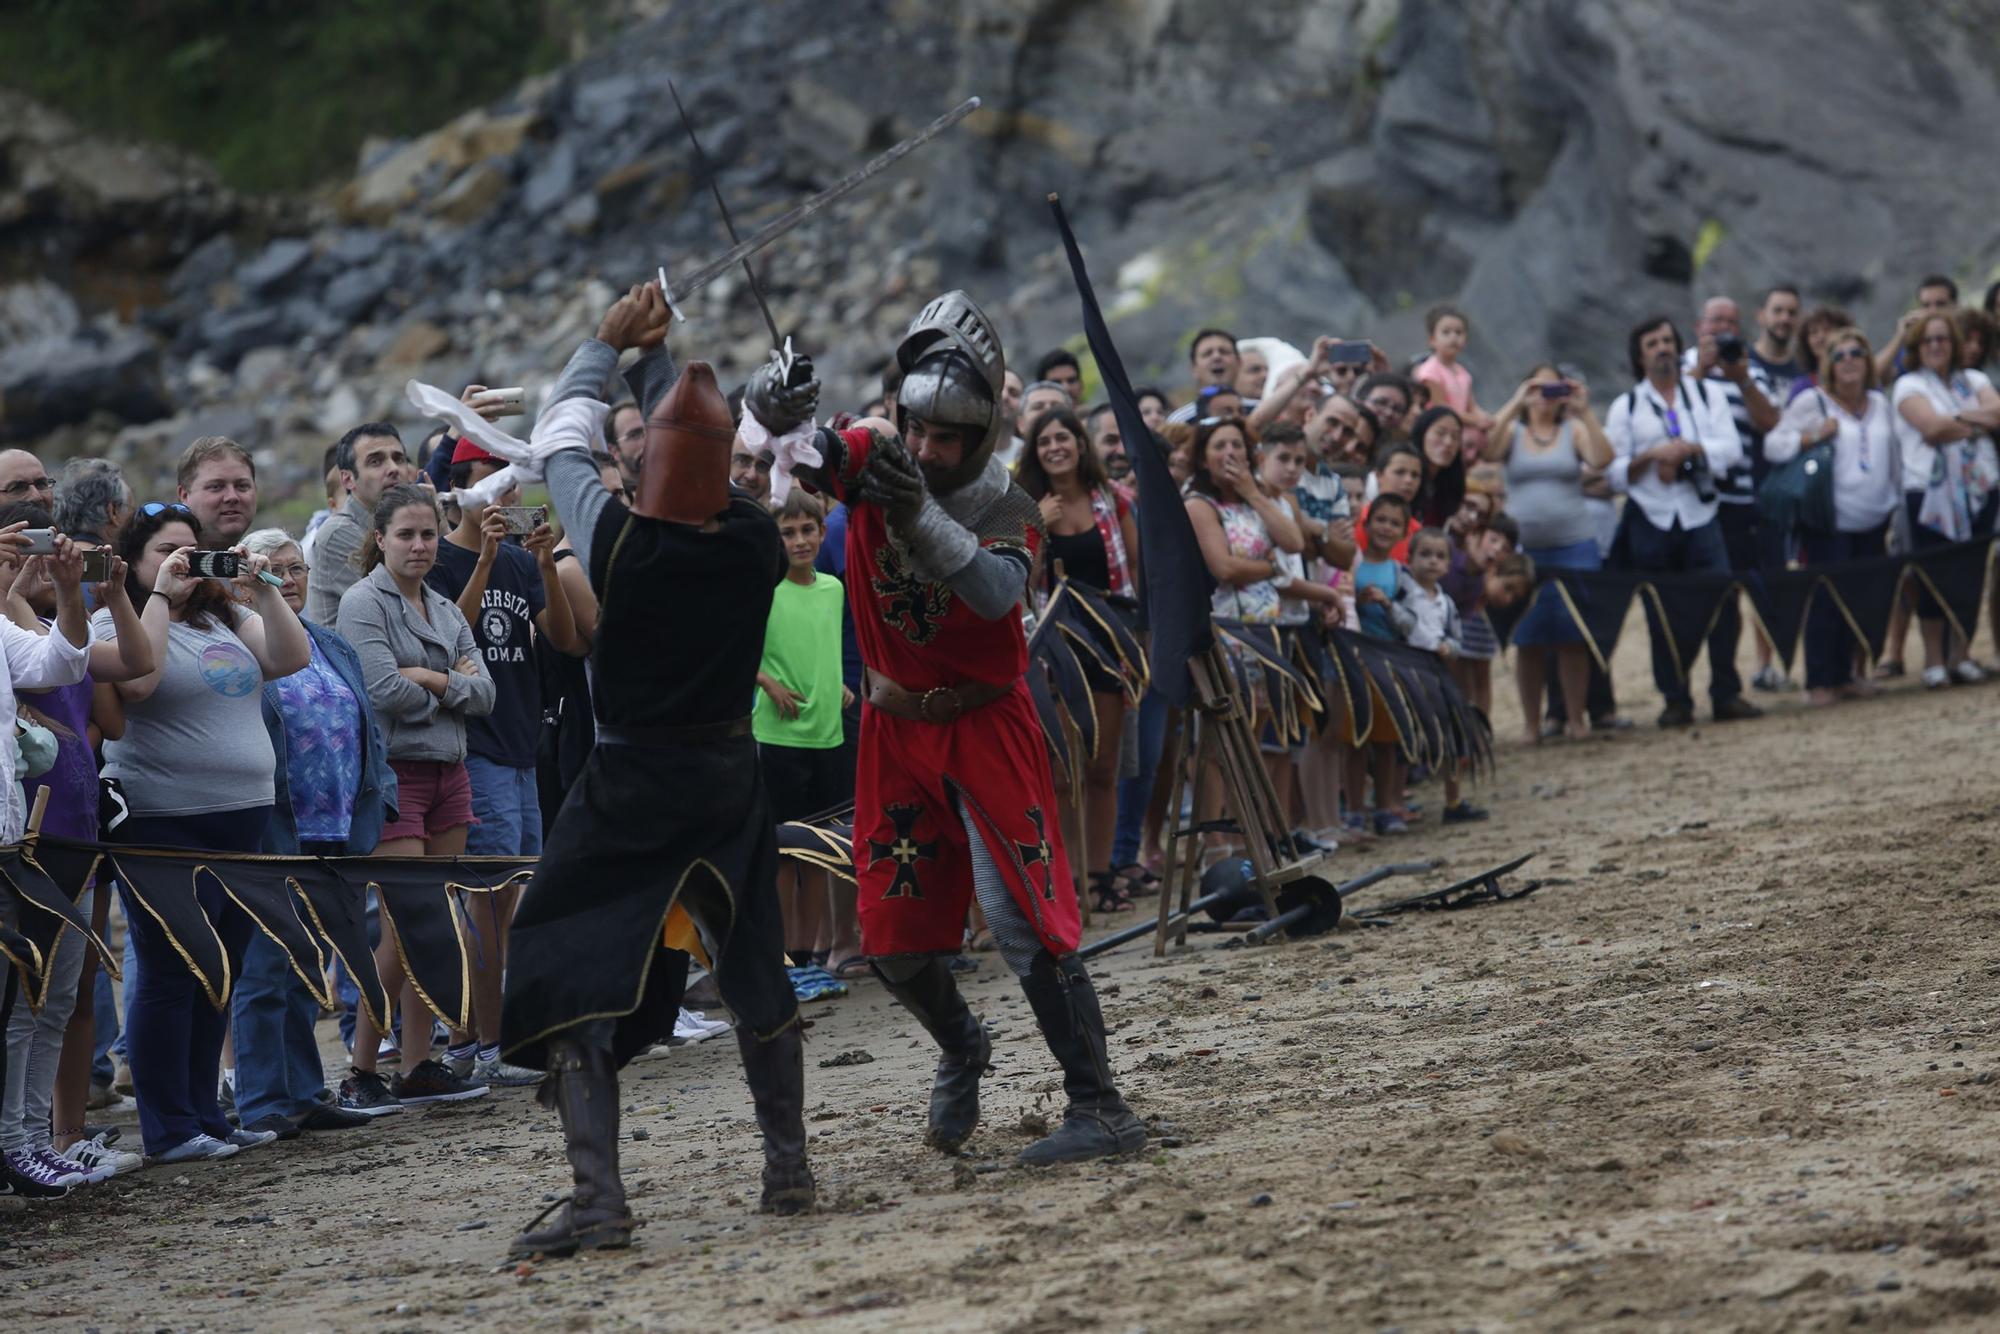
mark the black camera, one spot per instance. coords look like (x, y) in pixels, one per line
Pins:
(1696, 472)
(1728, 347)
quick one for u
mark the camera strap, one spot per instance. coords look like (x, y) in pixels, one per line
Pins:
(1670, 418)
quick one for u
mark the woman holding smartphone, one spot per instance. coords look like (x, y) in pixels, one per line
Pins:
(41, 1116)
(1548, 439)
(196, 766)
(425, 676)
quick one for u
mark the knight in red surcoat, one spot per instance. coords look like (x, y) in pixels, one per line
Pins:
(954, 800)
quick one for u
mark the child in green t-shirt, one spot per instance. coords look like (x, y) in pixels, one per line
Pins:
(808, 767)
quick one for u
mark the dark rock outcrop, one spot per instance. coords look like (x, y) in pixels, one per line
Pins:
(1557, 167)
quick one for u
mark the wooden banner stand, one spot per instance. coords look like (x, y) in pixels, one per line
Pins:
(1220, 729)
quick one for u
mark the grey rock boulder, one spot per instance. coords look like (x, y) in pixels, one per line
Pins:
(46, 383)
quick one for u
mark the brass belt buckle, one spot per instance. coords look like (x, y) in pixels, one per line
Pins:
(951, 699)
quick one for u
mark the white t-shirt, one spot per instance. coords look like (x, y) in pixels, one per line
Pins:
(1947, 400)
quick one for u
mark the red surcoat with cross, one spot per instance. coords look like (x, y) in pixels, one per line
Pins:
(919, 783)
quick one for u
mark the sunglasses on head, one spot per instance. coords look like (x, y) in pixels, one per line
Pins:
(164, 507)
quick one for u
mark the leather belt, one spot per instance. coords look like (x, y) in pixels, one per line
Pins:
(940, 705)
(658, 737)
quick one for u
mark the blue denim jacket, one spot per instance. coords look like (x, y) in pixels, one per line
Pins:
(375, 803)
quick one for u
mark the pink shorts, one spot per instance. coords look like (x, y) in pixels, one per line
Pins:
(433, 797)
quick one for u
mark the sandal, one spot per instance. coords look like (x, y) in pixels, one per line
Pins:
(852, 968)
(1106, 895)
(1134, 880)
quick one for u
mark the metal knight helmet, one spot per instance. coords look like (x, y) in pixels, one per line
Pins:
(684, 474)
(953, 375)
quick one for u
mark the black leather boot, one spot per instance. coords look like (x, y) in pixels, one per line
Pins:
(777, 1073)
(1097, 1123)
(932, 996)
(582, 1088)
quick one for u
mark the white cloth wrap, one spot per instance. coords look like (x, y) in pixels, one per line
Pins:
(574, 423)
(793, 450)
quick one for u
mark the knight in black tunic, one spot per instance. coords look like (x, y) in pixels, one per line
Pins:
(670, 811)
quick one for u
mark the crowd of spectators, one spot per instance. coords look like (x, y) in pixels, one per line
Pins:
(406, 675)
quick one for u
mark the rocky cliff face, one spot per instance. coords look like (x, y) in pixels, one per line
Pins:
(1296, 167)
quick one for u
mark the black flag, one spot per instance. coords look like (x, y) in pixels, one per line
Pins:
(1177, 584)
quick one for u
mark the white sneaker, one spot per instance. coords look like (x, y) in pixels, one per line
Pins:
(1936, 678)
(199, 1148)
(1969, 672)
(694, 1026)
(98, 1156)
(496, 1073)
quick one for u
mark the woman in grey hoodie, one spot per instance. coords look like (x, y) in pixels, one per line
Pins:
(425, 677)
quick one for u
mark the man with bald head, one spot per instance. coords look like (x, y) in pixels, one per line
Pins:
(1723, 357)
(22, 477)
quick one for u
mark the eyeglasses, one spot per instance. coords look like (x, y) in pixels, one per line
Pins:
(745, 460)
(295, 571)
(1848, 354)
(164, 507)
(1931, 340)
(24, 486)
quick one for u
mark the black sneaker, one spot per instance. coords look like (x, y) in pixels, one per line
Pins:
(1735, 709)
(278, 1125)
(366, 1092)
(1677, 715)
(333, 1118)
(1464, 813)
(429, 1081)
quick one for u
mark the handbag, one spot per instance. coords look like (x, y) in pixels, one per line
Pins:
(1798, 494)
(35, 748)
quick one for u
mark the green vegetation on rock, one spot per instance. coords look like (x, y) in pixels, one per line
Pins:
(279, 94)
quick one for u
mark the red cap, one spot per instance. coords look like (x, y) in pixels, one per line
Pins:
(468, 452)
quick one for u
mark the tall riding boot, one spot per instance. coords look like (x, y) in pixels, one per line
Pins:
(932, 996)
(777, 1073)
(582, 1088)
(1097, 1123)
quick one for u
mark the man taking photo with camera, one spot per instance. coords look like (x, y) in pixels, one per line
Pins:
(1730, 365)
(1672, 436)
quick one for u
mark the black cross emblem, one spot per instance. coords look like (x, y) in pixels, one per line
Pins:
(904, 850)
(1037, 853)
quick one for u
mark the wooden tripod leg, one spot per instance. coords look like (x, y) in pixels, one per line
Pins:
(1074, 830)
(1179, 860)
(1247, 787)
